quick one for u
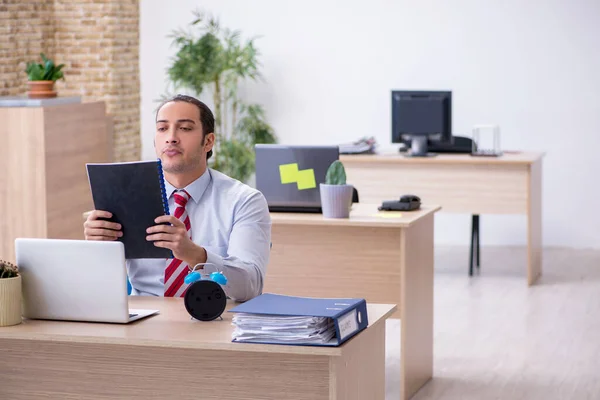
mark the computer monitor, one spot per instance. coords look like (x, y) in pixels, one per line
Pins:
(421, 119)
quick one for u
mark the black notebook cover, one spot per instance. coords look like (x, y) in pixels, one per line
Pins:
(134, 192)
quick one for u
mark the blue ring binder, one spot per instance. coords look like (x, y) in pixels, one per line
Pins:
(163, 190)
(348, 316)
(162, 187)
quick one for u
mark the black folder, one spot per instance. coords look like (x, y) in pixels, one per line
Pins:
(134, 192)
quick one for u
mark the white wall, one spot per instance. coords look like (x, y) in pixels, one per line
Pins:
(532, 67)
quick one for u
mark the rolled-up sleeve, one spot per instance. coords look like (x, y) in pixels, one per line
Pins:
(245, 264)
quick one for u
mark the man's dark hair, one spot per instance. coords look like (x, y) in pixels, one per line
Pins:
(207, 119)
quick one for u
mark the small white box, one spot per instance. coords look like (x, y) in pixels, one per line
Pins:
(486, 141)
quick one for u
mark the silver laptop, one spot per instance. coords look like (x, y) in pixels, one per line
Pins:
(289, 176)
(75, 280)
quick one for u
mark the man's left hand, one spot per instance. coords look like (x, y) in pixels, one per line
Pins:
(175, 237)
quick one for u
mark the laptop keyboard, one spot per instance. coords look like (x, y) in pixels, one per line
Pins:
(132, 315)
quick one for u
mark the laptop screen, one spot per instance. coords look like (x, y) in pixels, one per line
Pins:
(289, 176)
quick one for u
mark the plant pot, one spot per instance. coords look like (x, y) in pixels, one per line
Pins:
(336, 200)
(41, 89)
(10, 301)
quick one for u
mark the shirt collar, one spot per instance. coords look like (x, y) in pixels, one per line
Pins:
(195, 189)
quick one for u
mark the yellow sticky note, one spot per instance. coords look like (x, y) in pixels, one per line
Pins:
(288, 173)
(306, 179)
(388, 214)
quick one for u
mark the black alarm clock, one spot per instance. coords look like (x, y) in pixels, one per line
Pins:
(205, 299)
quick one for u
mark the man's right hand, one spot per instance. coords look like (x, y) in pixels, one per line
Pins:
(95, 229)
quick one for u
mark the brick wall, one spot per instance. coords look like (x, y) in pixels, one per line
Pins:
(26, 30)
(99, 44)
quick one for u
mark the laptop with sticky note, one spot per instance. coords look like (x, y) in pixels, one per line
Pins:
(289, 176)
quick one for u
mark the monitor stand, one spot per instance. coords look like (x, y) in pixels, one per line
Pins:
(419, 148)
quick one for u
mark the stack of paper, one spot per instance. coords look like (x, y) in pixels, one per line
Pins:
(365, 145)
(261, 328)
(278, 319)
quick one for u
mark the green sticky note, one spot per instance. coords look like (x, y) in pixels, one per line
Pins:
(288, 173)
(306, 179)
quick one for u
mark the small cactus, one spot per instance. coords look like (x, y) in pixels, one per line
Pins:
(336, 174)
(8, 270)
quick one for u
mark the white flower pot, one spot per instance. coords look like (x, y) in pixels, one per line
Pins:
(336, 200)
(10, 301)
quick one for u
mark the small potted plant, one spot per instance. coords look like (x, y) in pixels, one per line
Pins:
(10, 294)
(336, 195)
(42, 78)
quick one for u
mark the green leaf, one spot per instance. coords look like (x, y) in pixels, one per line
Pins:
(48, 70)
(35, 72)
(254, 126)
(235, 159)
(44, 71)
(58, 75)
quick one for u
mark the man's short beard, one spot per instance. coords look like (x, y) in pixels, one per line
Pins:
(186, 167)
(182, 167)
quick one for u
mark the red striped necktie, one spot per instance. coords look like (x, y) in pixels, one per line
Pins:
(177, 269)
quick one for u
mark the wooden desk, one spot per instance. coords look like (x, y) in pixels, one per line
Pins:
(384, 260)
(170, 356)
(460, 183)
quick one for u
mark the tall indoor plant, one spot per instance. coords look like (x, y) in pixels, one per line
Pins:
(218, 61)
(41, 78)
(10, 294)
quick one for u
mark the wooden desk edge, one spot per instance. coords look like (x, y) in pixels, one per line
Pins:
(344, 221)
(443, 158)
(425, 210)
(226, 346)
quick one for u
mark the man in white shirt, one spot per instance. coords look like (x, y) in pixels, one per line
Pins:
(228, 221)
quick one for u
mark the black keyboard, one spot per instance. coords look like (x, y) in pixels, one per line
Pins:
(132, 315)
(486, 153)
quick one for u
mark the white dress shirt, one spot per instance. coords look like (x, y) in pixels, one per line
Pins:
(231, 221)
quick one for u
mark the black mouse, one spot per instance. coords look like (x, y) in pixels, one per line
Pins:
(407, 202)
(409, 198)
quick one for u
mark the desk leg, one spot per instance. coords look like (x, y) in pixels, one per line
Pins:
(416, 307)
(474, 255)
(534, 223)
(478, 242)
(360, 372)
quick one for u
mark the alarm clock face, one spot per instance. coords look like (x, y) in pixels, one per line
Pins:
(205, 300)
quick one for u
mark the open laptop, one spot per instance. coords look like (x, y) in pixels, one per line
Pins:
(289, 176)
(75, 280)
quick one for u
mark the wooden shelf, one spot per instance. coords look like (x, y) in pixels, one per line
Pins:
(43, 184)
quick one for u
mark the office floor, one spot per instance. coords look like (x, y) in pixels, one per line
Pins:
(495, 338)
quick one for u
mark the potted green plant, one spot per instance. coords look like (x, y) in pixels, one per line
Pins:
(215, 62)
(41, 78)
(10, 294)
(336, 194)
